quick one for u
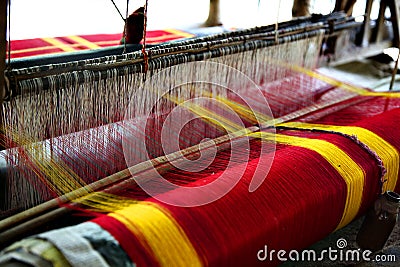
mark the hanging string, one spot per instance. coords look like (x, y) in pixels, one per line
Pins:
(119, 12)
(277, 23)
(126, 26)
(144, 52)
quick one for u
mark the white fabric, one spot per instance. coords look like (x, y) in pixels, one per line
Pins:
(75, 248)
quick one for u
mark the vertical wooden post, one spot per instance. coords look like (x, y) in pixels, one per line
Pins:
(395, 19)
(3, 45)
(366, 27)
(213, 15)
(300, 8)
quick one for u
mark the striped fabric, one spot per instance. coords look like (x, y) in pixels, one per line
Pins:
(56, 45)
(69, 247)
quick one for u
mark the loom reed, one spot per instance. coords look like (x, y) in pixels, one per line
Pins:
(288, 32)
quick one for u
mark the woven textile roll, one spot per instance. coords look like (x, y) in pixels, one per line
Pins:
(296, 187)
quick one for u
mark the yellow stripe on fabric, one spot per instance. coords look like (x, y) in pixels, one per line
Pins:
(58, 44)
(163, 38)
(107, 43)
(350, 171)
(336, 83)
(159, 233)
(180, 33)
(33, 49)
(386, 152)
(83, 42)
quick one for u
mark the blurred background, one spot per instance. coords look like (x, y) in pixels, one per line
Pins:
(52, 18)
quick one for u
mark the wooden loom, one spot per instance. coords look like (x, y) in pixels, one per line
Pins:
(308, 106)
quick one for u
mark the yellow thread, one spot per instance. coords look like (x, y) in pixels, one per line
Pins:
(59, 178)
(351, 173)
(58, 44)
(221, 121)
(386, 152)
(159, 233)
(104, 202)
(83, 42)
(208, 115)
(244, 111)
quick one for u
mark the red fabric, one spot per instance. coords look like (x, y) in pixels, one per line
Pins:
(32, 47)
(300, 202)
(365, 107)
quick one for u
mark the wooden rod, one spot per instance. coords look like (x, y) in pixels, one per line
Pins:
(3, 51)
(26, 228)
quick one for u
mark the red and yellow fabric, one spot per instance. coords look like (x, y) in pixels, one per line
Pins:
(44, 46)
(319, 181)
